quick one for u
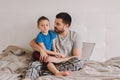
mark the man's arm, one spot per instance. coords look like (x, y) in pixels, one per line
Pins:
(53, 46)
(36, 47)
(76, 53)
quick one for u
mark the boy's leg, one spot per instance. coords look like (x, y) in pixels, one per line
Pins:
(56, 72)
(52, 68)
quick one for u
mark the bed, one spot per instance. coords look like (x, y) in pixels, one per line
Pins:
(14, 61)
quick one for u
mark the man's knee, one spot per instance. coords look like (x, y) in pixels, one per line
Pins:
(33, 70)
(35, 64)
(75, 60)
(73, 64)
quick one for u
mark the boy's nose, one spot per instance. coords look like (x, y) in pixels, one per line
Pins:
(45, 27)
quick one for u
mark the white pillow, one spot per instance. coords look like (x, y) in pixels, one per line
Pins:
(87, 50)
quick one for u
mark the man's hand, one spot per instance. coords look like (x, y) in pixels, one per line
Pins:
(43, 56)
(59, 55)
(36, 47)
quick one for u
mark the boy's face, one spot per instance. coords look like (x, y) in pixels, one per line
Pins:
(59, 26)
(44, 26)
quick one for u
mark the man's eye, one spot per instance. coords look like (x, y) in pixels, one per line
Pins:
(58, 24)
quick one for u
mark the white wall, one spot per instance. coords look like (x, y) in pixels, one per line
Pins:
(96, 20)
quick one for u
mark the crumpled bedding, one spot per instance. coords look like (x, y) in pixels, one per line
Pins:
(14, 62)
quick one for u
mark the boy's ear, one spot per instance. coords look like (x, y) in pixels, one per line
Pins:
(37, 25)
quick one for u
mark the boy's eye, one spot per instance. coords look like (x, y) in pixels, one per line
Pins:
(44, 25)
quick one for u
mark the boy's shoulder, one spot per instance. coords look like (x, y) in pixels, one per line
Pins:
(40, 33)
(51, 30)
(52, 34)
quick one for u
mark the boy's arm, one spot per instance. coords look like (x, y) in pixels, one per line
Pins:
(47, 51)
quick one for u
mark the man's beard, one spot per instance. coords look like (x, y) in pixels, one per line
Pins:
(59, 31)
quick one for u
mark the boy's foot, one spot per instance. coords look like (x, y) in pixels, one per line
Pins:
(65, 73)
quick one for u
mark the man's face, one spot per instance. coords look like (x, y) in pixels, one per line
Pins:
(59, 26)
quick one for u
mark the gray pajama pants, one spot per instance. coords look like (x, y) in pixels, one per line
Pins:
(34, 69)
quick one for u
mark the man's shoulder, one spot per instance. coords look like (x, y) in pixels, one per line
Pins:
(73, 34)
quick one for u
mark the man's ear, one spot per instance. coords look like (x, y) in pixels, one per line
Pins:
(67, 25)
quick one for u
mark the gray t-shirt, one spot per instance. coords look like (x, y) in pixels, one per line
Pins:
(66, 45)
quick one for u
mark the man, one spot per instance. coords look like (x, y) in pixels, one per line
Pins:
(68, 43)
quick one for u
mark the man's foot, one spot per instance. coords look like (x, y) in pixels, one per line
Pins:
(65, 73)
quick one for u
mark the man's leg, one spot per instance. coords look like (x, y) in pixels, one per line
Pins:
(33, 71)
(73, 64)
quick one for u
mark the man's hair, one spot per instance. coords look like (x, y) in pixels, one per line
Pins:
(65, 17)
(42, 18)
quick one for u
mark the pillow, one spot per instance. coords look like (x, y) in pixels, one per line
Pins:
(87, 50)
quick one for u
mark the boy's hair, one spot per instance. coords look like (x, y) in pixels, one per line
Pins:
(42, 18)
(65, 17)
